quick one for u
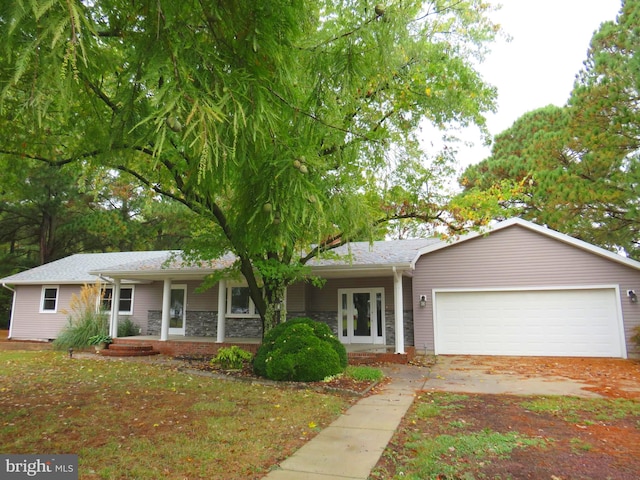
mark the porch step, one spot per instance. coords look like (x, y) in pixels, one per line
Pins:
(128, 350)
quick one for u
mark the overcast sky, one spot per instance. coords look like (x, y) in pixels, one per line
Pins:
(549, 42)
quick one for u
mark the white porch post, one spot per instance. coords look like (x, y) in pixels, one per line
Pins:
(115, 308)
(222, 296)
(166, 307)
(398, 310)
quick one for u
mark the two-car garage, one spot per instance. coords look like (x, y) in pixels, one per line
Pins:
(581, 322)
(525, 290)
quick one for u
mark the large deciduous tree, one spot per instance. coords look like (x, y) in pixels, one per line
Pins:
(576, 168)
(274, 121)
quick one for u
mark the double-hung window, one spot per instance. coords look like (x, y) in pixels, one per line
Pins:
(239, 302)
(49, 299)
(126, 300)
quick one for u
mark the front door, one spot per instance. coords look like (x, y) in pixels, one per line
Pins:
(361, 316)
(178, 310)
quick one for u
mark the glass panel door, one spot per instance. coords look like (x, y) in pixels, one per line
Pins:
(178, 309)
(361, 315)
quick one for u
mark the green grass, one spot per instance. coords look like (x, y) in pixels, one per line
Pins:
(147, 421)
(574, 409)
(433, 406)
(441, 456)
(360, 372)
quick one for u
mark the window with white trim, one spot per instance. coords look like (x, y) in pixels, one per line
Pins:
(239, 302)
(49, 300)
(126, 300)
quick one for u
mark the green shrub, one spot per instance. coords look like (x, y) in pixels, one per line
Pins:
(126, 328)
(231, 357)
(300, 350)
(84, 321)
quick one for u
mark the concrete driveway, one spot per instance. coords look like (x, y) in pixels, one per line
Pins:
(453, 373)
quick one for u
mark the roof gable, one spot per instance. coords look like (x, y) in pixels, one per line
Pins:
(541, 230)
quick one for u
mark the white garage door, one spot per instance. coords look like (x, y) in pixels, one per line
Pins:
(581, 322)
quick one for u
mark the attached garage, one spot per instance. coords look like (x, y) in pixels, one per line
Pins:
(580, 322)
(525, 290)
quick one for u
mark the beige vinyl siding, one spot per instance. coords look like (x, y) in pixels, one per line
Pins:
(206, 301)
(326, 298)
(296, 295)
(517, 257)
(27, 321)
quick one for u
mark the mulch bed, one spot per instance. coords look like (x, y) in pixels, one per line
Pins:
(340, 384)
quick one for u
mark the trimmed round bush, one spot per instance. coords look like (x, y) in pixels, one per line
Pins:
(300, 350)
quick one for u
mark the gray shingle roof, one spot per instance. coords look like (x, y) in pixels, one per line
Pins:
(76, 268)
(388, 252)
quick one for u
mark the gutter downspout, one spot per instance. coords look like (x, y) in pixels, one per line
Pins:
(13, 309)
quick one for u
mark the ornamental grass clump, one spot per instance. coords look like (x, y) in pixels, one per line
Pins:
(85, 320)
(300, 350)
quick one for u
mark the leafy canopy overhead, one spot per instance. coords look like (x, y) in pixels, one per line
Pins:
(276, 122)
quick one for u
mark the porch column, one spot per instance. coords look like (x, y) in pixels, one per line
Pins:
(398, 310)
(222, 310)
(166, 310)
(115, 308)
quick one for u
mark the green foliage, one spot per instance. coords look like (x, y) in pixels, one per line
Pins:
(84, 323)
(127, 328)
(300, 350)
(361, 372)
(232, 357)
(99, 339)
(271, 121)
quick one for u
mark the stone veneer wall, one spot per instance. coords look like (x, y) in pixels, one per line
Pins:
(205, 324)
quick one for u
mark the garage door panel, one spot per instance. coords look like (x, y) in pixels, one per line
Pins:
(568, 322)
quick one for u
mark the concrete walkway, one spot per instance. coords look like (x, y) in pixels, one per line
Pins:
(351, 446)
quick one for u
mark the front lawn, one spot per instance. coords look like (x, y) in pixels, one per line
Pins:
(148, 421)
(447, 436)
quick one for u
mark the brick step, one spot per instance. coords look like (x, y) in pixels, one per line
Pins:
(107, 352)
(128, 350)
(128, 346)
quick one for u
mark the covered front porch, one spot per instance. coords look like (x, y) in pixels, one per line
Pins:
(176, 345)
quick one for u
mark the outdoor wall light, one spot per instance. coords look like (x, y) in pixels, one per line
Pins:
(423, 301)
(633, 298)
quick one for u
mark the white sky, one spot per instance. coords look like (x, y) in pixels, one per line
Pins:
(549, 42)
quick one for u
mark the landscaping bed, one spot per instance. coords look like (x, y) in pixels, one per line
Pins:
(344, 384)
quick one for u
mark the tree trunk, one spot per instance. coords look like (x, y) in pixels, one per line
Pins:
(276, 312)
